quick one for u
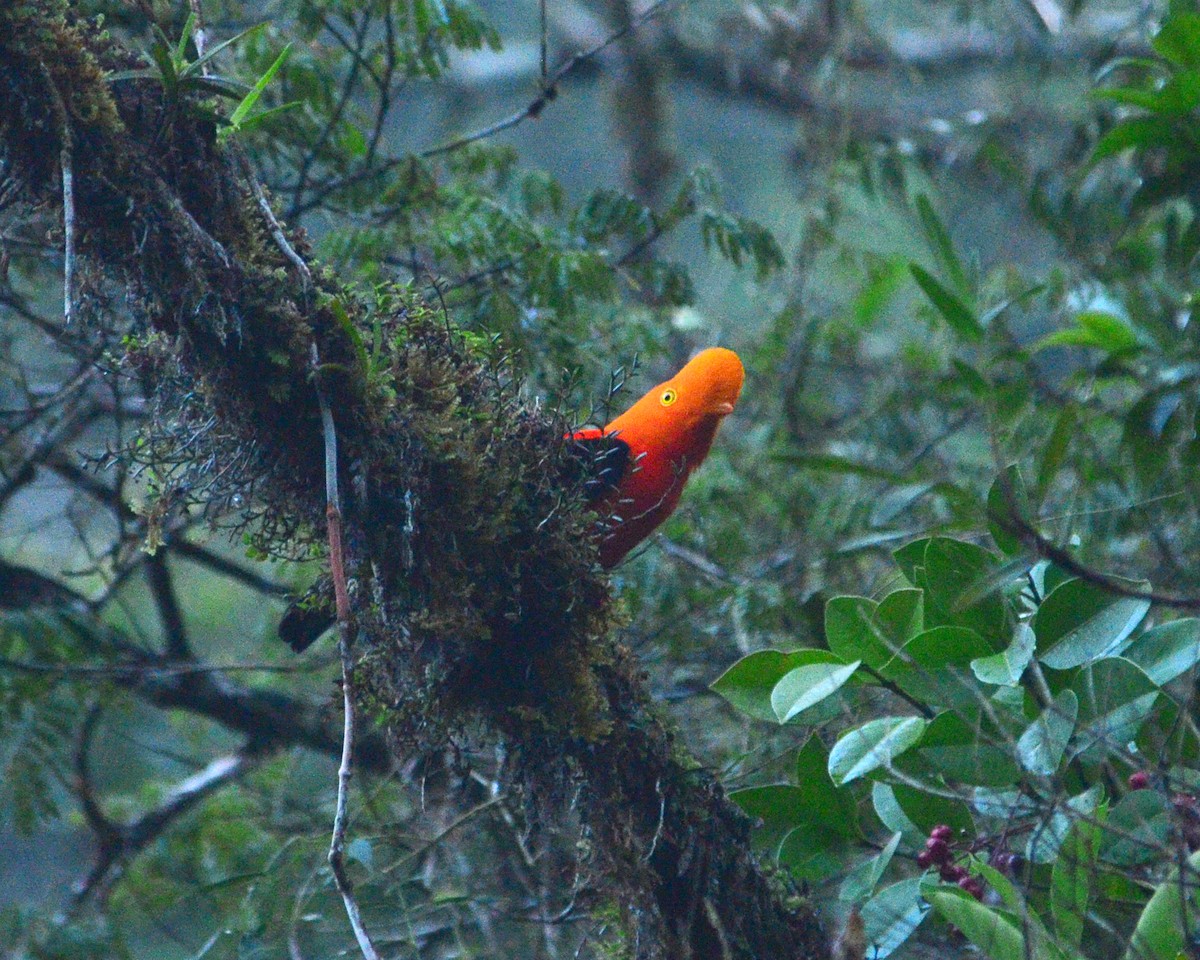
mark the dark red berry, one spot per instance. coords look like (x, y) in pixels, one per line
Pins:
(973, 886)
(924, 860)
(938, 850)
(953, 873)
(941, 832)
(1139, 780)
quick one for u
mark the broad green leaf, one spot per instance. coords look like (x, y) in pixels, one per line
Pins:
(962, 752)
(850, 630)
(910, 558)
(892, 815)
(935, 666)
(1153, 427)
(873, 745)
(1071, 881)
(997, 935)
(1080, 621)
(954, 573)
(807, 686)
(1138, 829)
(1055, 823)
(958, 316)
(1040, 748)
(1094, 328)
(748, 684)
(927, 809)
(1115, 697)
(1166, 651)
(779, 807)
(857, 628)
(813, 854)
(861, 881)
(1006, 667)
(1160, 933)
(901, 616)
(818, 798)
(892, 916)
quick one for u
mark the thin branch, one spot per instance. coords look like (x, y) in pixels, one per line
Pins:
(162, 589)
(123, 842)
(333, 515)
(550, 87)
(1060, 557)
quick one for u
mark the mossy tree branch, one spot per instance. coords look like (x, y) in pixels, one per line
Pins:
(475, 590)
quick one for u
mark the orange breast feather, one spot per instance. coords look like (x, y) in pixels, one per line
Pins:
(667, 434)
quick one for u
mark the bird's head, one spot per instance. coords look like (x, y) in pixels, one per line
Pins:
(695, 400)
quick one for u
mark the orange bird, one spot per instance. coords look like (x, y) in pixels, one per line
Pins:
(649, 451)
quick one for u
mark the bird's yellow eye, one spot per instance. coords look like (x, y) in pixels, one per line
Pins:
(668, 397)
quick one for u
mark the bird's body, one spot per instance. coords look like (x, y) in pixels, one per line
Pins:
(639, 465)
(655, 445)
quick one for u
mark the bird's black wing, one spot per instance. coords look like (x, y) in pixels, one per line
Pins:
(602, 458)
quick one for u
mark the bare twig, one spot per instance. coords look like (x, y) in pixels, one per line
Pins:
(333, 515)
(1019, 527)
(550, 86)
(117, 843)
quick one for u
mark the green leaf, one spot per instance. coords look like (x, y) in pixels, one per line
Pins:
(1115, 698)
(1040, 748)
(962, 752)
(873, 745)
(910, 558)
(749, 683)
(1054, 824)
(1160, 933)
(1071, 881)
(927, 810)
(992, 931)
(1080, 622)
(243, 109)
(1137, 830)
(861, 881)
(1006, 668)
(1094, 328)
(892, 815)
(1179, 40)
(957, 315)
(1134, 132)
(813, 855)
(822, 801)
(939, 240)
(962, 590)
(807, 686)
(1055, 453)
(778, 806)
(1008, 503)
(935, 666)
(892, 916)
(855, 629)
(1166, 651)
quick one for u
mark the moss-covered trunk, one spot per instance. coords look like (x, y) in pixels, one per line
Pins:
(478, 597)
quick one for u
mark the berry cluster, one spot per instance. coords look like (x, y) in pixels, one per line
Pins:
(939, 853)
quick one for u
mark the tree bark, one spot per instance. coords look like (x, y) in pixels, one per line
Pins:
(477, 598)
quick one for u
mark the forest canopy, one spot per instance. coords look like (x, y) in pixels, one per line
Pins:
(299, 304)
